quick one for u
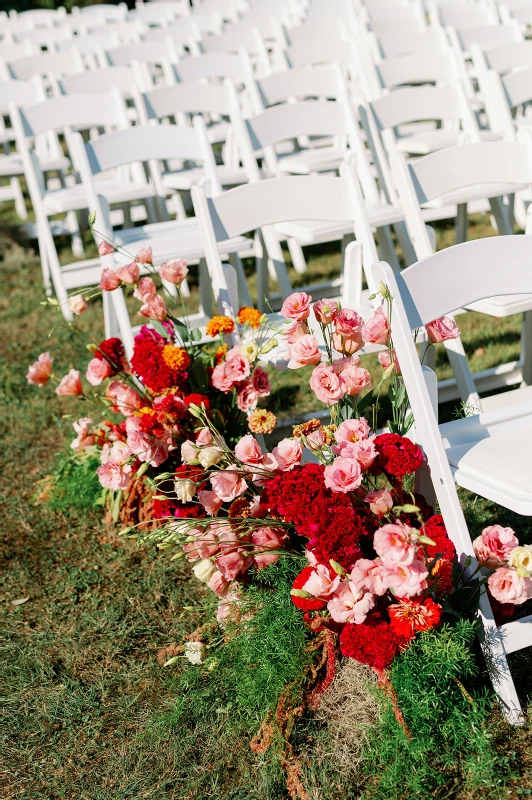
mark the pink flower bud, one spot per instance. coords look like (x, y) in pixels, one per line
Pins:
(104, 249)
(144, 256)
(109, 280)
(155, 308)
(174, 271)
(129, 274)
(77, 304)
(442, 329)
(39, 372)
(70, 384)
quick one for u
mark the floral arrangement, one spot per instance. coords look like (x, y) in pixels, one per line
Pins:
(146, 399)
(509, 566)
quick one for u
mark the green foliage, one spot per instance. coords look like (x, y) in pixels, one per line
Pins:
(450, 741)
(77, 486)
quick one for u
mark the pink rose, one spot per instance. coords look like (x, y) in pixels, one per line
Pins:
(145, 290)
(129, 274)
(322, 583)
(325, 383)
(77, 304)
(325, 311)
(248, 450)
(376, 329)
(380, 502)
(354, 380)
(296, 331)
(39, 373)
(315, 439)
(236, 365)
(349, 605)
(297, 306)
(109, 280)
(145, 445)
(174, 271)
(144, 256)
(98, 370)
(442, 329)
(369, 576)
(265, 539)
(124, 398)
(220, 379)
(343, 475)
(210, 502)
(261, 382)
(494, 545)
(228, 484)
(84, 438)
(303, 352)
(230, 564)
(218, 584)
(105, 249)
(70, 384)
(385, 361)
(507, 586)
(364, 452)
(352, 430)
(393, 543)
(154, 308)
(407, 580)
(288, 454)
(247, 396)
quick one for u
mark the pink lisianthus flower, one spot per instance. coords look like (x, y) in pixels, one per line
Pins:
(220, 379)
(114, 472)
(236, 366)
(210, 502)
(380, 502)
(144, 256)
(125, 399)
(228, 484)
(265, 539)
(376, 330)
(146, 289)
(507, 586)
(105, 249)
(343, 475)
(269, 464)
(442, 329)
(174, 271)
(84, 438)
(218, 584)
(353, 379)
(347, 345)
(347, 337)
(297, 306)
(261, 381)
(288, 454)
(303, 352)
(77, 304)
(247, 396)
(189, 452)
(70, 385)
(204, 437)
(352, 431)
(393, 543)
(325, 311)
(296, 331)
(109, 280)
(144, 445)
(364, 452)
(248, 450)
(494, 545)
(369, 576)
(154, 308)
(129, 274)
(98, 369)
(349, 605)
(407, 580)
(322, 583)
(326, 385)
(232, 563)
(385, 361)
(39, 373)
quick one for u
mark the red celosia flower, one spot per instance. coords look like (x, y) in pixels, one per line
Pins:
(408, 616)
(198, 399)
(163, 508)
(148, 363)
(373, 642)
(444, 550)
(503, 612)
(173, 508)
(169, 409)
(306, 603)
(397, 455)
(112, 351)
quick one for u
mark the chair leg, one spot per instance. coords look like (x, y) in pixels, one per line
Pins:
(461, 223)
(405, 243)
(76, 240)
(296, 254)
(20, 205)
(205, 289)
(262, 269)
(500, 213)
(385, 242)
(44, 265)
(526, 348)
(243, 291)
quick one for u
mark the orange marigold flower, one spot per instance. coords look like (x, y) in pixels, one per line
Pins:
(261, 421)
(175, 357)
(146, 410)
(250, 315)
(218, 325)
(221, 353)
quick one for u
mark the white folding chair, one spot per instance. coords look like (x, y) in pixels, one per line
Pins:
(158, 56)
(488, 453)
(45, 64)
(517, 10)
(109, 12)
(394, 43)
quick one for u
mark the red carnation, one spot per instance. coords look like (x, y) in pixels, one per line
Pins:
(306, 603)
(408, 616)
(197, 400)
(397, 455)
(373, 642)
(112, 351)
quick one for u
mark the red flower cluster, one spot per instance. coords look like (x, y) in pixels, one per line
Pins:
(148, 363)
(333, 528)
(306, 603)
(409, 615)
(373, 642)
(173, 508)
(198, 399)
(397, 455)
(444, 550)
(112, 351)
(169, 409)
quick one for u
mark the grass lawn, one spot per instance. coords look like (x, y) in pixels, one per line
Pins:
(89, 711)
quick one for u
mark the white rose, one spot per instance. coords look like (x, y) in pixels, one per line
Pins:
(204, 570)
(185, 490)
(195, 652)
(189, 452)
(208, 456)
(521, 560)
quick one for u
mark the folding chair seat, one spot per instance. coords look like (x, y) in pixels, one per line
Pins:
(487, 453)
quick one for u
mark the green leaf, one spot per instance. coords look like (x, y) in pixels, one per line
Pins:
(182, 331)
(92, 218)
(401, 395)
(198, 376)
(365, 402)
(159, 327)
(195, 334)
